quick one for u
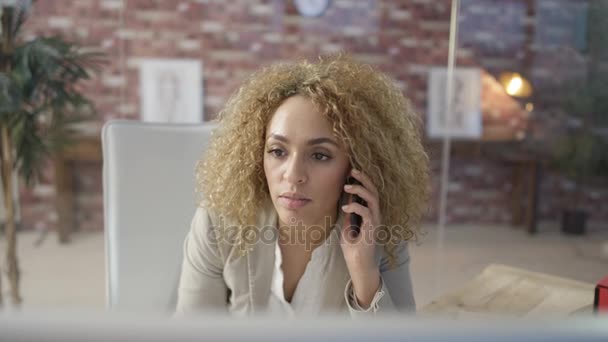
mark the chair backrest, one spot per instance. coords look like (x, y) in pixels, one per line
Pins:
(149, 201)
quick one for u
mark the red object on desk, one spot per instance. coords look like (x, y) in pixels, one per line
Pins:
(600, 303)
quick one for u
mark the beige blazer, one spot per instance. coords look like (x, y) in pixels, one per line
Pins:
(214, 279)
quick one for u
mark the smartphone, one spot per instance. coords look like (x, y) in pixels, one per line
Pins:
(353, 219)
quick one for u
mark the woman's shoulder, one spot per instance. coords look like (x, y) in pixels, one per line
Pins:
(400, 252)
(223, 230)
(213, 219)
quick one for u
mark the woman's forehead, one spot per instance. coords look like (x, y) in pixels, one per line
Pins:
(298, 117)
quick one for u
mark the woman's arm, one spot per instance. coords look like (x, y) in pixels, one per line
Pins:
(201, 286)
(395, 290)
(371, 281)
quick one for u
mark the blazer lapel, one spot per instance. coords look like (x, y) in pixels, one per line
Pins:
(260, 260)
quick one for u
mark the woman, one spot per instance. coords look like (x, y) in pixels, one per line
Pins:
(271, 234)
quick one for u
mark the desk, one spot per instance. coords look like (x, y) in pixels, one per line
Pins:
(526, 172)
(526, 175)
(85, 148)
(501, 291)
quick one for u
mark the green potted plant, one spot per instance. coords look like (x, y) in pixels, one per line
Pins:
(581, 153)
(40, 100)
(582, 156)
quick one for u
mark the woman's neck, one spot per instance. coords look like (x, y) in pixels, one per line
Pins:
(304, 236)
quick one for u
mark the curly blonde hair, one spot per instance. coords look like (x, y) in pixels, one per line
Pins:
(369, 115)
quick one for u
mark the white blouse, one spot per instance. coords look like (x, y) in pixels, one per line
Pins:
(326, 270)
(212, 279)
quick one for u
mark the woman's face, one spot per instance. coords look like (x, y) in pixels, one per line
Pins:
(305, 165)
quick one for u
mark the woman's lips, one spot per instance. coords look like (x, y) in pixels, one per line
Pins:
(292, 203)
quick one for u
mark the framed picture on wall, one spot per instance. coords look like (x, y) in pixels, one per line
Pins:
(465, 119)
(171, 90)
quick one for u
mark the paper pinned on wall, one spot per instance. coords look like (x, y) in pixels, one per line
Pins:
(171, 90)
(465, 119)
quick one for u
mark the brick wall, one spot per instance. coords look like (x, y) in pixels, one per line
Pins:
(234, 38)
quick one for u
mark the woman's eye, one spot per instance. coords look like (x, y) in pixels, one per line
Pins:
(320, 156)
(276, 152)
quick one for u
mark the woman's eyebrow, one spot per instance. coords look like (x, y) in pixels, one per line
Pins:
(314, 141)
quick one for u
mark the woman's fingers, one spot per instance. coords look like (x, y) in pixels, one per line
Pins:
(360, 210)
(370, 213)
(365, 194)
(365, 181)
(367, 221)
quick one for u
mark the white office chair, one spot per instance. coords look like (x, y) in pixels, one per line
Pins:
(149, 201)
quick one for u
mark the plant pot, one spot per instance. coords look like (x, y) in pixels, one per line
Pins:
(574, 222)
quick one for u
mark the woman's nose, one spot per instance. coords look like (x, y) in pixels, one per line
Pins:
(296, 171)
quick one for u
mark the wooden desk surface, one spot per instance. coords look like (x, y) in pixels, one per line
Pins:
(85, 148)
(508, 291)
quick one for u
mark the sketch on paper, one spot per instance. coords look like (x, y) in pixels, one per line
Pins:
(465, 119)
(171, 90)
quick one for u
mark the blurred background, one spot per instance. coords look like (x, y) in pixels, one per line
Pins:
(525, 115)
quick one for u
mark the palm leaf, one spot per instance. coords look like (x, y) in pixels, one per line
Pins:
(39, 100)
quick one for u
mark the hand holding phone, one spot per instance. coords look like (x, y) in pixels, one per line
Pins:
(353, 219)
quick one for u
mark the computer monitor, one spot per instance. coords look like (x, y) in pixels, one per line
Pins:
(72, 326)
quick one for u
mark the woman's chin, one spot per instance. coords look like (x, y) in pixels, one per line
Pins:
(290, 217)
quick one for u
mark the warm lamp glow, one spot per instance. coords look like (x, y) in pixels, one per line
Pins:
(515, 84)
